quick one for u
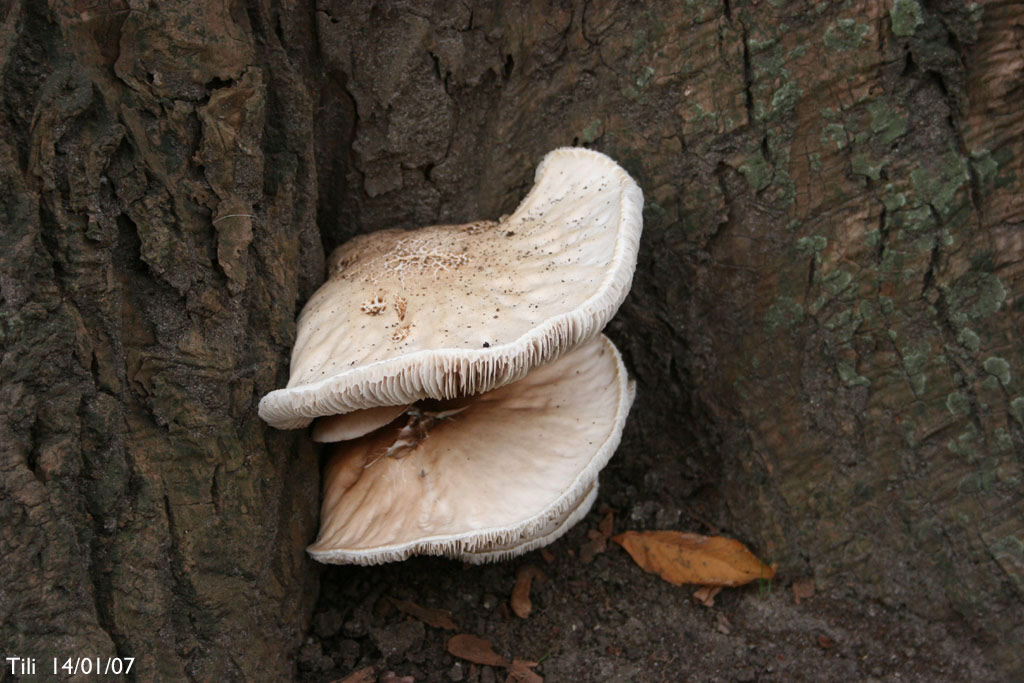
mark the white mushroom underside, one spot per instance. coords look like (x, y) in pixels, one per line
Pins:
(355, 424)
(510, 472)
(449, 311)
(549, 533)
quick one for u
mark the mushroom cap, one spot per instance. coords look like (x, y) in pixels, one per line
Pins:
(540, 537)
(454, 310)
(499, 474)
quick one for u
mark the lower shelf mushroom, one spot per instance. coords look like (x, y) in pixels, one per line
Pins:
(482, 478)
(355, 424)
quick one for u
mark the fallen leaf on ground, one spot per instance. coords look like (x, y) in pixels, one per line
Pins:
(476, 650)
(392, 677)
(607, 523)
(520, 600)
(722, 624)
(438, 618)
(803, 589)
(680, 558)
(705, 595)
(598, 542)
(592, 548)
(522, 672)
(367, 675)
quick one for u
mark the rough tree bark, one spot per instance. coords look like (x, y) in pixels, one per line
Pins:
(159, 231)
(824, 324)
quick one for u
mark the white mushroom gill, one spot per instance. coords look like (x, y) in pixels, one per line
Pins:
(490, 477)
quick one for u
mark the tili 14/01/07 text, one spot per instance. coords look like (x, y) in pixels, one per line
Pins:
(27, 666)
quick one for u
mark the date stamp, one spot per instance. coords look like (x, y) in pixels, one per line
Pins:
(70, 666)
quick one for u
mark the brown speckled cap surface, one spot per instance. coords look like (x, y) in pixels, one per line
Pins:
(455, 310)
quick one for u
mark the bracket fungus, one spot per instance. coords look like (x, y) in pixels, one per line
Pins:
(481, 478)
(463, 371)
(451, 310)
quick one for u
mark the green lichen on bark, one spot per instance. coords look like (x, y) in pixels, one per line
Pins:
(1017, 409)
(905, 16)
(998, 368)
(846, 34)
(886, 123)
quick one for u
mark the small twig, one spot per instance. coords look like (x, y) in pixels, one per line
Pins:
(234, 215)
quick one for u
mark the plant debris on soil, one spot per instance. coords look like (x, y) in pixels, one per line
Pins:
(684, 558)
(430, 619)
(520, 600)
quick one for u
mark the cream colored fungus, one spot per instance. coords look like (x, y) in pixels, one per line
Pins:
(452, 310)
(480, 478)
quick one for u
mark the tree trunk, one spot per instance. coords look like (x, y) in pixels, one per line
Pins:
(824, 324)
(159, 233)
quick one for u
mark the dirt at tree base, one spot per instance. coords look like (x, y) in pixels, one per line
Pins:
(609, 621)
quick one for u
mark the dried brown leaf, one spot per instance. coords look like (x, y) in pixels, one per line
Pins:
(722, 624)
(392, 677)
(705, 595)
(475, 649)
(367, 675)
(591, 549)
(606, 525)
(522, 672)
(803, 589)
(681, 558)
(598, 539)
(520, 600)
(438, 618)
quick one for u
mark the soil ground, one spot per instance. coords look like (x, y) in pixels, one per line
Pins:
(607, 620)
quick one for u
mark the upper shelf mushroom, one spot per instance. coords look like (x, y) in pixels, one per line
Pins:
(455, 310)
(480, 478)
